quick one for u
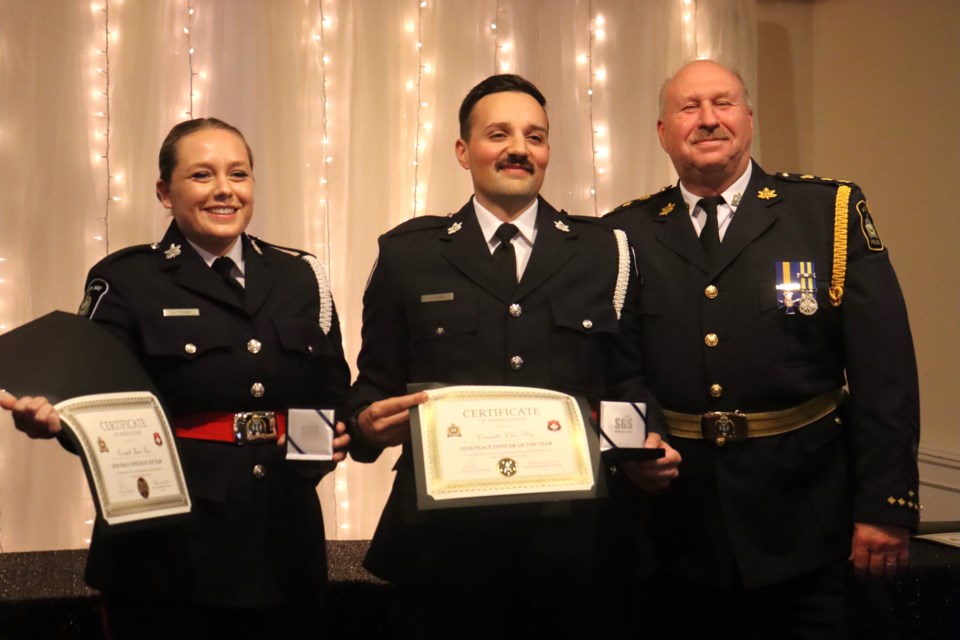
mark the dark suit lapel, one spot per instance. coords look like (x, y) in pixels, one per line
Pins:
(190, 271)
(677, 231)
(463, 245)
(553, 248)
(754, 215)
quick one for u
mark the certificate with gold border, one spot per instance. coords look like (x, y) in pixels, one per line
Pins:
(490, 444)
(129, 454)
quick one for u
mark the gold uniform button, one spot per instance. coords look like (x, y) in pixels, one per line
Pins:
(711, 292)
(516, 310)
(588, 323)
(309, 348)
(711, 340)
(716, 390)
(257, 389)
(259, 471)
(254, 346)
(516, 363)
(190, 348)
(440, 331)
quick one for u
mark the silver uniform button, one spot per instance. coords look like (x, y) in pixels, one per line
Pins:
(515, 310)
(259, 471)
(257, 389)
(588, 324)
(190, 348)
(516, 362)
(254, 346)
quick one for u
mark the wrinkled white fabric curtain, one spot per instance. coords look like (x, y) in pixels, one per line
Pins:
(352, 124)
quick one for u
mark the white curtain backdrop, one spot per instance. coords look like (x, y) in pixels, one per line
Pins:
(350, 107)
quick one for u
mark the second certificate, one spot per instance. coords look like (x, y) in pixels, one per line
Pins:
(502, 441)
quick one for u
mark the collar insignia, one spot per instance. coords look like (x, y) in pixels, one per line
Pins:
(736, 200)
(766, 194)
(561, 226)
(172, 252)
(452, 229)
(667, 209)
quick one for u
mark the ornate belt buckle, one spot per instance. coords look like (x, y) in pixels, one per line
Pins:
(724, 426)
(254, 426)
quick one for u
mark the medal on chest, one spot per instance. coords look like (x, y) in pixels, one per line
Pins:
(797, 287)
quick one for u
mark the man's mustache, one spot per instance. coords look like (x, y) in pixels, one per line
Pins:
(710, 134)
(516, 161)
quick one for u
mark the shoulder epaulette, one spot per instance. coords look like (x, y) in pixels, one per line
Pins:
(641, 199)
(256, 243)
(128, 251)
(806, 177)
(420, 223)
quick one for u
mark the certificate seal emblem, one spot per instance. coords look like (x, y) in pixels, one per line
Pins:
(553, 425)
(157, 439)
(102, 444)
(143, 487)
(507, 466)
(453, 431)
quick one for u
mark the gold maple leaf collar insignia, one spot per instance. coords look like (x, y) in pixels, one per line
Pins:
(766, 194)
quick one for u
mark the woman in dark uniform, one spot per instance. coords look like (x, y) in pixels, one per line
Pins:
(257, 334)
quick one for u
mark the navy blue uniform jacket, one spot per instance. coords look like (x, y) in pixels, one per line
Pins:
(571, 277)
(248, 542)
(775, 507)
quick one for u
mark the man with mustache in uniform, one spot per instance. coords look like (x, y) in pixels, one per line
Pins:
(440, 308)
(762, 296)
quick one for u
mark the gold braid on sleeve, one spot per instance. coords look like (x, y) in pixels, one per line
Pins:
(840, 222)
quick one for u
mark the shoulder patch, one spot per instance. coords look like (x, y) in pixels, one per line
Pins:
(97, 288)
(867, 227)
(419, 223)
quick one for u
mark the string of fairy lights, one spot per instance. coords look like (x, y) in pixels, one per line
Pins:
(190, 51)
(102, 95)
(322, 61)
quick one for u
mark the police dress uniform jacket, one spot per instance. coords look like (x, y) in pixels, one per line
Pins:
(250, 541)
(436, 311)
(775, 507)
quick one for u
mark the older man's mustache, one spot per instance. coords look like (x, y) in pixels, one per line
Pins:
(703, 135)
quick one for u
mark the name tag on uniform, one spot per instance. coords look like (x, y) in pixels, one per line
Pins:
(310, 434)
(176, 313)
(623, 425)
(436, 297)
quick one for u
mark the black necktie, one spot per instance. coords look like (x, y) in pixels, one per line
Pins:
(710, 235)
(224, 267)
(504, 257)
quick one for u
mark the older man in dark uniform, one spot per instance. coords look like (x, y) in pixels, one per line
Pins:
(507, 291)
(750, 332)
